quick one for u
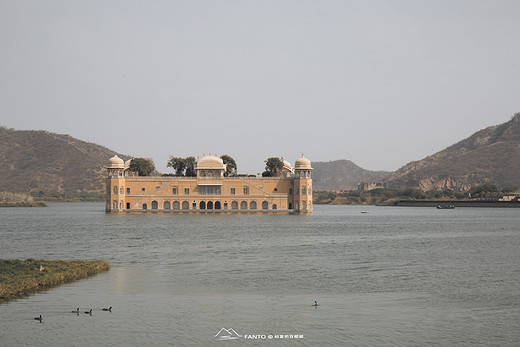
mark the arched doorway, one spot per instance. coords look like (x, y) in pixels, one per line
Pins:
(166, 205)
(202, 205)
(275, 207)
(176, 205)
(217, 205)
(155, 205)
(234, 205)
(145, 206)
(185, 205)
(243, 205)
(252, 205)
(210, 205)
(265, 205)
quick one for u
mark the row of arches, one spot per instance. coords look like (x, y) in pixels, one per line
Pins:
(209, 205)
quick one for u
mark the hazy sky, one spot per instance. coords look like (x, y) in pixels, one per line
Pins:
(380, 83)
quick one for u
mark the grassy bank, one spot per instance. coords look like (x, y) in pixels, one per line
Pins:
(22, 277)
(10, 199)
(23, 204)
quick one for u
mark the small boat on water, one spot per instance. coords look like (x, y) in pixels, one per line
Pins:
(366, 211)
(445, 207)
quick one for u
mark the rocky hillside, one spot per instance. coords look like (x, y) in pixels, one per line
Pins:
(33, 161)
(491, 155)
(342, 175)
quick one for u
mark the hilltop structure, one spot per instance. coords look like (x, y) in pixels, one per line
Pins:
(210, 191)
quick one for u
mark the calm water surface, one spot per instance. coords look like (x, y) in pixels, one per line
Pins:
(394, 277)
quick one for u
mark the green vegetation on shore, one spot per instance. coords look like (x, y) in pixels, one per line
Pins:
(388, 196)
(22, 277)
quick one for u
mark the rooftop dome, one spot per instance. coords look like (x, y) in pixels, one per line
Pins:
(286, 165)
(210, 162)
(116, 162)
(303, 163)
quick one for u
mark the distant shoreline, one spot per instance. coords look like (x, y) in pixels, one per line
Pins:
(457, 203)
(24, 204)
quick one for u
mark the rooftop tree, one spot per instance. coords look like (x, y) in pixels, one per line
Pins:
(143, 166)
(231, 165)
(178, 164)
(273, 167)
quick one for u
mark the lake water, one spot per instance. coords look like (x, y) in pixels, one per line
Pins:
(394, 277)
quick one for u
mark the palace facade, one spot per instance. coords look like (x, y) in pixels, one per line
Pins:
(210, 191)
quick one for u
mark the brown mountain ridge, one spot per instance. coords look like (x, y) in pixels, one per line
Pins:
(33, 161)
(491, 155)
(342, 175)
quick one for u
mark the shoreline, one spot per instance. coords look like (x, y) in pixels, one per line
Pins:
(457, 203)
(24, 204)
(20, 278)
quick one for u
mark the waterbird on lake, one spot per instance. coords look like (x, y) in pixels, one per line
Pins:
(108, 309)
(315, 303)
(89, 312)
(77, 310)
(39, 318)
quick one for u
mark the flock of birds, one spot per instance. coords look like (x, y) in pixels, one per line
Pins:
(109, 309)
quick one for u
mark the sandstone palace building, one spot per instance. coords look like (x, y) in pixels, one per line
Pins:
(209, 191)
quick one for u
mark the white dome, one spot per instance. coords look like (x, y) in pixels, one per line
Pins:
(210, 162)
(303, 163)
(116, 162)
(287, 166)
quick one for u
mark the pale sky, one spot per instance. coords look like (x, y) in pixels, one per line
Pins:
(380, 83)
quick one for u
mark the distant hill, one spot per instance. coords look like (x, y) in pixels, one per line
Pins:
(491, 155)
(33, 161)
(342, 175)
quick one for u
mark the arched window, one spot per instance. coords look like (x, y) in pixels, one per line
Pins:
(115, 205)
(177, 205)
(217, 205)
(243, 205)
(145, 206)
(265, 205)
(202, 205)
(210, 205)
(166, 205)
(121, 190)
(275, 207)
(115, 190)
(304, 191)
(234, 205)
(155, 205)
(185, 205)
(304, 205)
(252, 205)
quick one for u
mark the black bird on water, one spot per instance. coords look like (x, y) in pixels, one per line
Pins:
(77, 311)
(39, 318)
(89, 312)
(315, 303)
(108, 309)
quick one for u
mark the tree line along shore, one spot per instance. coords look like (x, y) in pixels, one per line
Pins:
(391, 196)
(20, 278)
